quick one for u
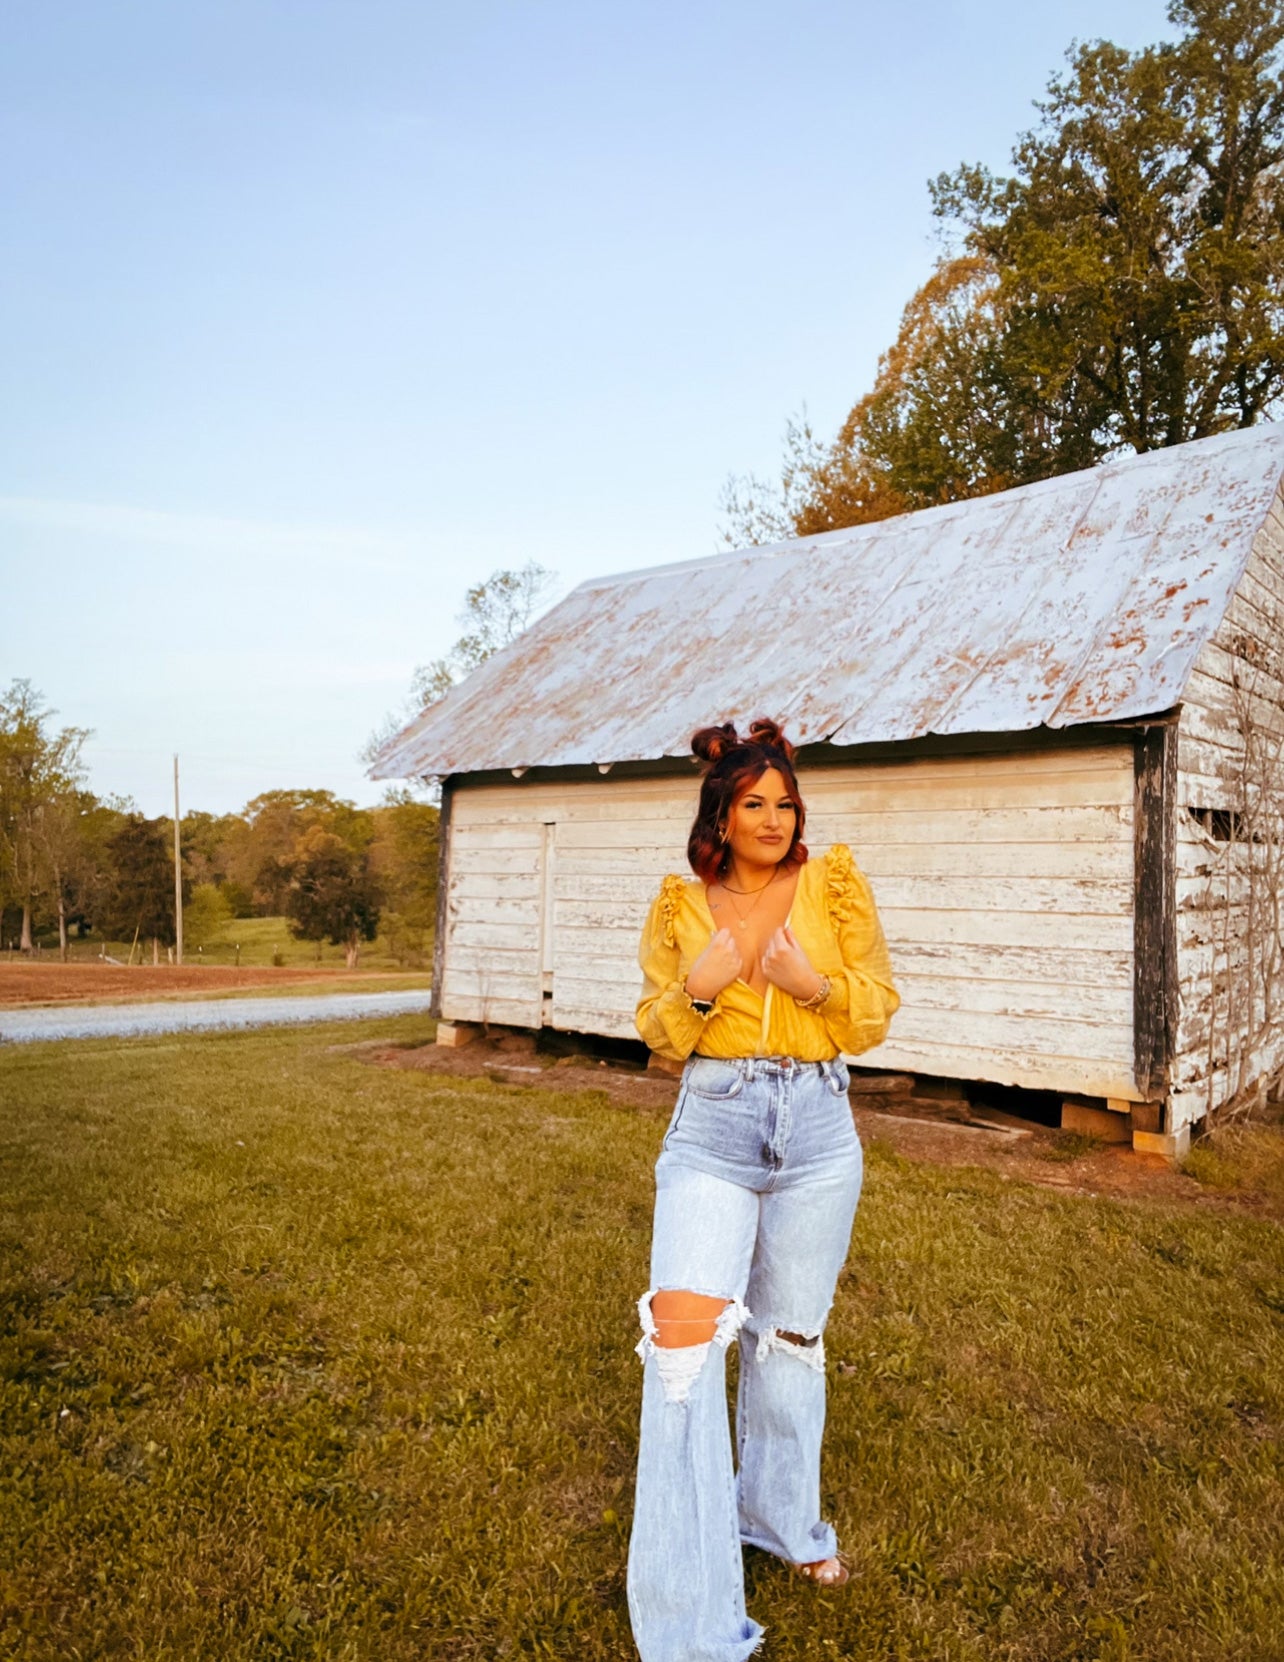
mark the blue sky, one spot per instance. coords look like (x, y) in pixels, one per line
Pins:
(312, 315)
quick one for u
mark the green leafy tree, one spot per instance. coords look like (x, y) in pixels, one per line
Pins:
(264, 833)
(238, 898)
(1122, 288)
(69, 857)
(206, 839)
(40, 775)
(494, 613)
(331, 892)
(404, 858)
(89, 877)
(205, 914)
(141, 901)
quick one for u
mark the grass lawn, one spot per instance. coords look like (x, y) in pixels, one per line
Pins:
(261, 941)
(303, 1358)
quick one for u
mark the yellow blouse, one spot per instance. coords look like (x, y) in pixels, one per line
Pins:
(835, 921)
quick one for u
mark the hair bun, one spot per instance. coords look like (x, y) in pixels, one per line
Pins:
(764, 731)
(711, 744)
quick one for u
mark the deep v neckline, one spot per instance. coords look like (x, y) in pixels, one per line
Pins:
(713, 930)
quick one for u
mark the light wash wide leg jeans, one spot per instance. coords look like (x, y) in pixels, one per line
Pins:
(756, 1191)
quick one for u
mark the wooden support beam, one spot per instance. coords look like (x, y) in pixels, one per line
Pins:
(455, 1034)
(881, 1084)
(1146, 1116)
(1173, 1145)
(1095, 1120)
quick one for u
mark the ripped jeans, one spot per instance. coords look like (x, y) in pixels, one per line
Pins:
(756, 1191)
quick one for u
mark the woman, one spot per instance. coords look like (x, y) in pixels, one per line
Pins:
(757, 975)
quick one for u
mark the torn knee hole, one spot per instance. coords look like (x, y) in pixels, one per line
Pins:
(806, 1347)
(683, 1318)
(680, 1334)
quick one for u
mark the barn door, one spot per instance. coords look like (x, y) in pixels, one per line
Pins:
(547, 951)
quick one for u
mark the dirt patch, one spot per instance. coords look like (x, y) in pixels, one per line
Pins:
(1022, 1150)
(28, 983)
(1113, 1170)
(516, 1061)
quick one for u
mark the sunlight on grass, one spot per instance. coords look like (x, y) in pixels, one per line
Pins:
(253, 943)
(306, 1359)
(1248, 1157)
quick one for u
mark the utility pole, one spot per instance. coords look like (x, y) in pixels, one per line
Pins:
(178, 877)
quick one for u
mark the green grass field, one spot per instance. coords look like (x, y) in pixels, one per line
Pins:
(308, 1359)
(260, 941)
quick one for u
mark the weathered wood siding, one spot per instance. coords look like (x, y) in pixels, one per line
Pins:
(1004, 881)
(547, 889)
(1005, 885)
(1215, 954)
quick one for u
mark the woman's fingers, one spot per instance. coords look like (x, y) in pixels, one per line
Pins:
(726, 945)
(784, 962)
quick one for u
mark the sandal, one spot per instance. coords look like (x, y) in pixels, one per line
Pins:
(827, 1572)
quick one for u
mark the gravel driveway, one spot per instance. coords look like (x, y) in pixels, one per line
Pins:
(127, 1020)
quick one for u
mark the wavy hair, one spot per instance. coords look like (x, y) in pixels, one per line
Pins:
(731, 766)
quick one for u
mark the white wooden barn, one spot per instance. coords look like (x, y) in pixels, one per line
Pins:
(1026, 715)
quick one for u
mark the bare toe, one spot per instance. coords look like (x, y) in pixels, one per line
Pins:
(826, 1572)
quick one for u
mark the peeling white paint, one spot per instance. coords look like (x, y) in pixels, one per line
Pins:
(1078, 599)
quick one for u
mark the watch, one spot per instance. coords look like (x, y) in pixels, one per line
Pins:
(702, 1006)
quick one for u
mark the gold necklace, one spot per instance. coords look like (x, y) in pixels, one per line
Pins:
(757, 894)
(766, 885)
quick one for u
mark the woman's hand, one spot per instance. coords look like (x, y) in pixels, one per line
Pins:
(716, 967)
(788, 967)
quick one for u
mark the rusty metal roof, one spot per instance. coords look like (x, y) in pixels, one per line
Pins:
(1082, 598)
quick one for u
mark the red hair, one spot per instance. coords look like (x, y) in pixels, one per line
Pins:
(731, 766)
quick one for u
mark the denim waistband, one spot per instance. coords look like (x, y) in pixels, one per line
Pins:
(750, 1066)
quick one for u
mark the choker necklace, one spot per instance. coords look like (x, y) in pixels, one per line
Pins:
(766, 885)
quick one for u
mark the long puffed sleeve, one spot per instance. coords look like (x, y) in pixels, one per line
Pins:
(665, 1019)
(862, 1001)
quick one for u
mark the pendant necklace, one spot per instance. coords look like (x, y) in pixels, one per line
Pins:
(744, 918)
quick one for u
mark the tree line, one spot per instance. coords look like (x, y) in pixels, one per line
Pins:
(1121, 289)
(76, 862)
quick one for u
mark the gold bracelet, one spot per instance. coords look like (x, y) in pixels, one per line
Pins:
(818, 998)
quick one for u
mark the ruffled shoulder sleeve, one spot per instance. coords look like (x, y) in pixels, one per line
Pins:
(671, 892)
(842, 884)
(862, 999)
